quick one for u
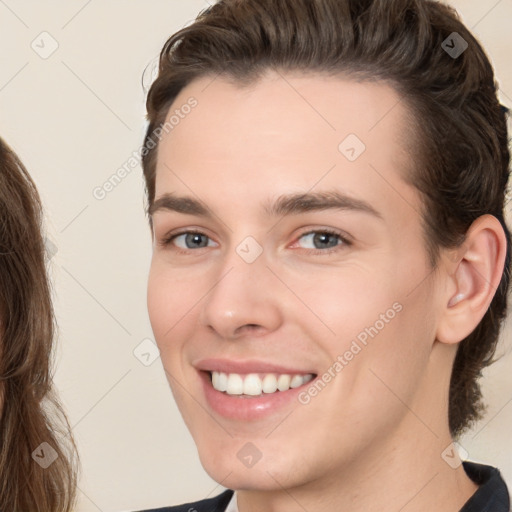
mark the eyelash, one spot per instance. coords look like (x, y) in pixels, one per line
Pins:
(345, 242)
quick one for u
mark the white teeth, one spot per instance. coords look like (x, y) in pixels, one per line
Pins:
(215, 379)
(269, 384)
(296, 381)
(283, 382)
(222, 382)
(253, 385)
(235, 384)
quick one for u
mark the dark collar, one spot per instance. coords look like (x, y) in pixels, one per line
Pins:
(216, 504)
(492, 495)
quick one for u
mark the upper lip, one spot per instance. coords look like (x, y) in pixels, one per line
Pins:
(245, 367)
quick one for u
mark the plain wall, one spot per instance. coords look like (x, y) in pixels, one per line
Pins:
(77, 116)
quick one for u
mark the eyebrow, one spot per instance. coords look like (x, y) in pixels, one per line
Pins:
(288, 204)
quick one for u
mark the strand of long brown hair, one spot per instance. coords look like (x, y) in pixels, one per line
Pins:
(38, 458)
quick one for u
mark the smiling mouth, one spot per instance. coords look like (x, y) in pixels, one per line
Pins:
(257, 384)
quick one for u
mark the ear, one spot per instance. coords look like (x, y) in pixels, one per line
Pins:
(474, 276)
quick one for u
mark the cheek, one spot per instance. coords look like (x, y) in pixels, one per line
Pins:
(379, 327)
(160, 304)
(343, 304)
(169, 309)
(393, 357)
(170, 303)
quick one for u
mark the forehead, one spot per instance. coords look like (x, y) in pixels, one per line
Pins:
(280, 114)
(285, 130)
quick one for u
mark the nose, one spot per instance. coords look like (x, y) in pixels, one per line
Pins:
(245, 299)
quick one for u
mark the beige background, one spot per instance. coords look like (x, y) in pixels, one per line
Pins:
(76, 117)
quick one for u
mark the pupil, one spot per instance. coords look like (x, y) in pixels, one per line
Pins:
(194, 239)
(325, 239)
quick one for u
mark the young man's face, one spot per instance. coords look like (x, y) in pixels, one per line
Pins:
(335, 287)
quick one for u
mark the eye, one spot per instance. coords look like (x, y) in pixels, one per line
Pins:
(189, 240)
(321, 239)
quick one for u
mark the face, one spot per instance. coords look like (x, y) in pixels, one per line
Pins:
(290, 292)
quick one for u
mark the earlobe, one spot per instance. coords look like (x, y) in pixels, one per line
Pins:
(475, 277)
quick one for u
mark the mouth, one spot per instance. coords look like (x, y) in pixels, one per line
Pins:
(250, 391)
(257, 384)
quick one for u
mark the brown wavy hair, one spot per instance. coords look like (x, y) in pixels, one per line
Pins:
(459, 138)
(30, 412)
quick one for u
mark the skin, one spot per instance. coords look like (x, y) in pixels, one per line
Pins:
(372, 439)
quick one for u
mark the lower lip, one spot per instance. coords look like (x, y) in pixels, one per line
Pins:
(247, 408)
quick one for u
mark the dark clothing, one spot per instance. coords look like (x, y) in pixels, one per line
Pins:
(217, 504)
(492, 495)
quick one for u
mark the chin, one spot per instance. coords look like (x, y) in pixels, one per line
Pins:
(242, 466)
(247, 479)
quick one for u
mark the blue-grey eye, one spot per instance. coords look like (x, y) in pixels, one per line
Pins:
(320, 240)
(192, 240)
